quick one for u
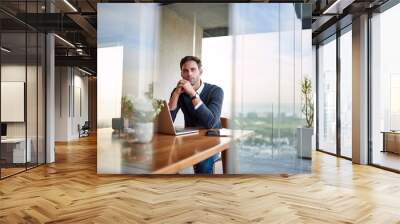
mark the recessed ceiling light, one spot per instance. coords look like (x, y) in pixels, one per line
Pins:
(84, 71)
(337, 7)
(5, 50)
(70, 5)
(65, 41)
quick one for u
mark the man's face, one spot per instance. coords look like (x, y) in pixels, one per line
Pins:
(191, 72)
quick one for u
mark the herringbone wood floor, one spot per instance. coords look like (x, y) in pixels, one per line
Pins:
(70, 191)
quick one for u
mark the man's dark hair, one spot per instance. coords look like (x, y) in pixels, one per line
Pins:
(191, 58)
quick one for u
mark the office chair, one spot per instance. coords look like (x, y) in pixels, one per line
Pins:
(84, 130)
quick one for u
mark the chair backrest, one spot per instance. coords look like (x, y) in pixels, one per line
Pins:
(86, 125)
(224, 122)
(117, 123)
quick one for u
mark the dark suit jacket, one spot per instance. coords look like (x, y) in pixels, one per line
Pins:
(208, 114)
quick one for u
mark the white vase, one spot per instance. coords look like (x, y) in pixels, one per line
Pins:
(144, 132)
(126, 123)
(304, 142)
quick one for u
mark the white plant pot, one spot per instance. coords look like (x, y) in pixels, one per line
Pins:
(144, 132)
(126, 124)
(304, 142)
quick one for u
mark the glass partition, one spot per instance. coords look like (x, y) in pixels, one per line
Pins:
(385, 89)
(41, 97)
(269, 64)
(22, 91)
(13, 105)
(32, 96)
(127, 59)
(258, 62)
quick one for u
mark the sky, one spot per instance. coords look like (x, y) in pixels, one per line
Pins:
(259, 63)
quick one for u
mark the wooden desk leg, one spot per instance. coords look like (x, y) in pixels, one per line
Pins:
(224, 161)
(384, 142)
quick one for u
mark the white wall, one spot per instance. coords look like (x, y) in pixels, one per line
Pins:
(70, 83)
(61, 103)
(12, 73)
(80, 83)
(33, 126)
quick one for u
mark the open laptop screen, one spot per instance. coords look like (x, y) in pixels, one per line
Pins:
(3, 129)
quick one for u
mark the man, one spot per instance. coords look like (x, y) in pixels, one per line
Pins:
(200, 102)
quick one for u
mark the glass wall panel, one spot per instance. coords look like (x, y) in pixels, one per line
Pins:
(22, 90)
(127, 59)
(287, 121)
(256, 107)
(32, 96)
(267, 73)
(41, 87)
(327, 95)
(13, 107)
(257, 60)
(346, 93)
(385, 89)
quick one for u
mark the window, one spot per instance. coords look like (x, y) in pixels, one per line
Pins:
(269, 63)
(327, 96)
(346, 93)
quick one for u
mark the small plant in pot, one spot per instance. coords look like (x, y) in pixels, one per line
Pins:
(304, 134)
(145, 110)
(126, 111)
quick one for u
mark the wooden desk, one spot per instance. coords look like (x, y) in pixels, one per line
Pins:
(391, 142)
(165, 155)
(13, 150)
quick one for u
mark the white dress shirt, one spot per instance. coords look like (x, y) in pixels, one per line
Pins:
(199, 92)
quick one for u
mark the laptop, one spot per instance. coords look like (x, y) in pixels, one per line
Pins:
(3, 131)
(166, 126)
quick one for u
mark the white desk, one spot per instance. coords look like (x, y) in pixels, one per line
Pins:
(19, 149)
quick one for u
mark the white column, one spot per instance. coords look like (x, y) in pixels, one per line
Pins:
(360, 90)
(50, 99)
(50, 93)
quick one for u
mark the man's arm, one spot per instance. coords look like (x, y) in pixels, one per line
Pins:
(209, 115)
(173, 104)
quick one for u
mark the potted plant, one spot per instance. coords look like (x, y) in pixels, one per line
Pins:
(126, 111)
(304, 134)
(145, 110)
